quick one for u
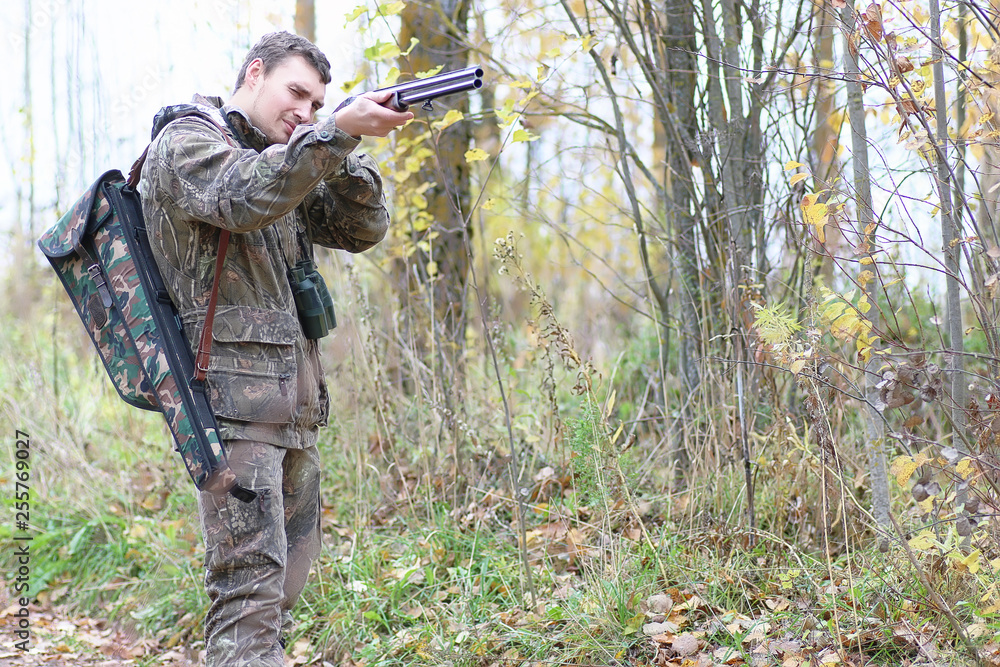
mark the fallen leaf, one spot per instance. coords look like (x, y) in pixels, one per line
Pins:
(651, 629)
(727, 655)
(659, 604)
(685, 644)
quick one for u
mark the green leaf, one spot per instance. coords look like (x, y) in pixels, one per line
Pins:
(635, 624)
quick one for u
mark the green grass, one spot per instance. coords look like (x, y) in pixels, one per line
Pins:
(422, 562)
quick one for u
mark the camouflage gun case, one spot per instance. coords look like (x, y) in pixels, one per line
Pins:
(101, 253)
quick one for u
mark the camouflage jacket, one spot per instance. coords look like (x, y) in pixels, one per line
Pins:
(265, 378)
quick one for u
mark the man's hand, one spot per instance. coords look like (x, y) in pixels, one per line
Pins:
(366, 116)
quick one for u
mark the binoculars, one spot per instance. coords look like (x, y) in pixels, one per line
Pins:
(312, 300)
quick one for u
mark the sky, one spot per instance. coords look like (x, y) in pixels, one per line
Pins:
(100, 70)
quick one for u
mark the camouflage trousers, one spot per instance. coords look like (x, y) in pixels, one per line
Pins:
(258, 554)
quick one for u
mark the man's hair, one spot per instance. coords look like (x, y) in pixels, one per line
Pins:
(274, 47)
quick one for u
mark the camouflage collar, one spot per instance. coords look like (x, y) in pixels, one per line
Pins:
(200, 105)
(237, 120)
(246, 133)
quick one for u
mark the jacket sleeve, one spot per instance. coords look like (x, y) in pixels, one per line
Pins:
(347, 209)
(240, 189)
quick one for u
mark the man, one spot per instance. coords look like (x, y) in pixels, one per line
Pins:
(259, 167)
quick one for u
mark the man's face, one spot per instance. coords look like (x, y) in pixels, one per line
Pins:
(287, 96)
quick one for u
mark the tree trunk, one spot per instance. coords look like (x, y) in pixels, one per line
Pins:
(672, 32)
(949, 234)
(678, 86)
(436, 274)
(305, 19)
(825, 164)
(875, 428)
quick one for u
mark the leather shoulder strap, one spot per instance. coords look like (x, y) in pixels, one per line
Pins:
(204, 353)
(205, 344)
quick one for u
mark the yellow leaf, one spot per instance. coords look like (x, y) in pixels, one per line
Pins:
(475, 155)
(347, 85)
(867, 260)
(391, 76)
(903, 468)
(489, 204)
(798, 365)
(792, 164)
(815, 215)
(524, 135)
(971, 561)
(358, 11)
(845, 325)
(863, 304)
(391, 8)
(964, 468)
(866, 277)
(432, 269)
(450, 118)
(797, 178)
(923, 541)
(833, 310)
(520, 84)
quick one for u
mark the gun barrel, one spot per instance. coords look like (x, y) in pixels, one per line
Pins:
(449, 83)
(429, 88)
(440, 90)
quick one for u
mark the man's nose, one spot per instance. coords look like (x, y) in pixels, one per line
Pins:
(303, 114)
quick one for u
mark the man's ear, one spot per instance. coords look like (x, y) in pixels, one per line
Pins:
(255, 72)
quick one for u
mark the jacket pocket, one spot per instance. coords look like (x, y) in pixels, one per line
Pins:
(252, 370)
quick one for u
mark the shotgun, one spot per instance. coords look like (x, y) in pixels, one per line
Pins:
(430, 88)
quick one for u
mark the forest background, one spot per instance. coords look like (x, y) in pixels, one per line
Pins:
(682, 349)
